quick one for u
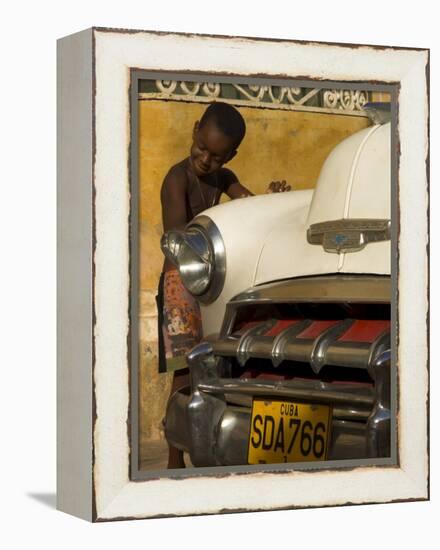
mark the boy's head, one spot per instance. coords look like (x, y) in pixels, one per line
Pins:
(216, 138)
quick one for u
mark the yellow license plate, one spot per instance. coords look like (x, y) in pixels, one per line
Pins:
(286, 431)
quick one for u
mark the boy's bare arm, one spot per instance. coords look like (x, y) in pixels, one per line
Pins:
(173, 200)
(237, 191)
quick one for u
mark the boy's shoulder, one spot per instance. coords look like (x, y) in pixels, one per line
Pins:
(176, 177)
(226, 178)
(226, 173)
(178, 170)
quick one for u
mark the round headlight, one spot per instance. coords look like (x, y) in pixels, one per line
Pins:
(195, 261)
(198, 253)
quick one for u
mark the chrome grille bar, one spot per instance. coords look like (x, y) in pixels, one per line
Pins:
(319, 392)
(318, 352)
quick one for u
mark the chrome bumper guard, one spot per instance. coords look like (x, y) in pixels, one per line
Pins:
(212, 424)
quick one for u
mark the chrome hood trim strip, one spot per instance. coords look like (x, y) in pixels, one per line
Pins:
(321, 289)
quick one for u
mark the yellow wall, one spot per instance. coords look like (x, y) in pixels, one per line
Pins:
(381, 97)
(289, 145)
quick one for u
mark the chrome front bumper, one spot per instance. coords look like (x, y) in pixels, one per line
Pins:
(212, 422)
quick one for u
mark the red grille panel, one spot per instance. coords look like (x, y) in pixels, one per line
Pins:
(315, 329)
(246, 326)
(280, 326)
(365, 331)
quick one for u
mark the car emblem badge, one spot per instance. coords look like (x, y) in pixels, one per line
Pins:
(348, 235)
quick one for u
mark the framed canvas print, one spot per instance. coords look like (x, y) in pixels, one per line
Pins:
(242, 276)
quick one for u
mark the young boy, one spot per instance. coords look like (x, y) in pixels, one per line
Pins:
(191, 186)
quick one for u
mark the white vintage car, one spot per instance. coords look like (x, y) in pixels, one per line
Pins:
(295, 291)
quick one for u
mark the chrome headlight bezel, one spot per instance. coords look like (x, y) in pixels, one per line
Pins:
(199, 254)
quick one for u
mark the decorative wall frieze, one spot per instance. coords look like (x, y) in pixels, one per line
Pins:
(348, 102)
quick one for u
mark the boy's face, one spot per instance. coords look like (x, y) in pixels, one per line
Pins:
(210, 149)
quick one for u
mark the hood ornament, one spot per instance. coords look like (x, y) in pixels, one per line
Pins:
(348, 235)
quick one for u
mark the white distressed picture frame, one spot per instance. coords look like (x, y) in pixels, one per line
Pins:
(94, 276)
